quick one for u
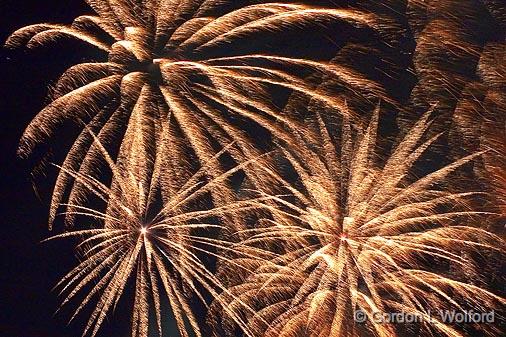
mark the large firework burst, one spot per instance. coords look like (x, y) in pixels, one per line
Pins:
(167, 61)
(369, 237)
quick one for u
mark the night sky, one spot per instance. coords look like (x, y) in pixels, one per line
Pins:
(29, 269)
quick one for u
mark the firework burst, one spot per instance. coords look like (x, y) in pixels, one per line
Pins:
(163, 249)
(166, 61)
(368, 237)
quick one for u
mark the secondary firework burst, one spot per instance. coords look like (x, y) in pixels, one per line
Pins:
(164, 249)
(483, 103)
(366, 235)
(167, 61)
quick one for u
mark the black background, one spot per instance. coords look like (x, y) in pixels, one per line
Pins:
(29, 269)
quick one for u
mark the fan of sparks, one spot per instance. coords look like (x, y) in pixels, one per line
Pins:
(360, 236)
(167, 61)
(163, 249)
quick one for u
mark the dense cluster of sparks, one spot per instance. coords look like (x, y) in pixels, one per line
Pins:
(365, 237)
(159, 247)
(294, 241)
(168, 68)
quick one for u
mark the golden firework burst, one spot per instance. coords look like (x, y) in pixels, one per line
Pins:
(166, 61)
(162, 248)
(366, 237)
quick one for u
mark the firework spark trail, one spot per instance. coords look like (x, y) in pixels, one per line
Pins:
(493, 140)
(484, 103)
(160, 54)
(460, 63)
(453, 60)
(359, 237)
(160, 253)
